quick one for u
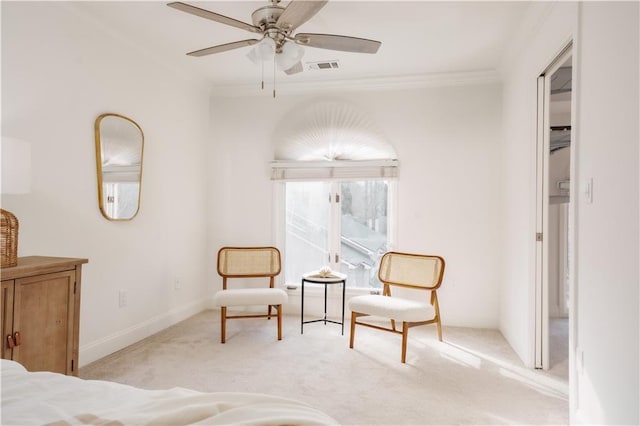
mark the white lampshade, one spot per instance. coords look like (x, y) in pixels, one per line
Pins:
(16, 166)
(291, 55)
(262, 51)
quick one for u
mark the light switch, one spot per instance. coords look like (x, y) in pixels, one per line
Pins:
(588, 191)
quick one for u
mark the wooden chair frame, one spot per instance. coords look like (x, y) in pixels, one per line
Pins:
(251, 274)
(386, 292)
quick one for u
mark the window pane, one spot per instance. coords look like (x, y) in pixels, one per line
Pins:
(307, 218)
(363, 238)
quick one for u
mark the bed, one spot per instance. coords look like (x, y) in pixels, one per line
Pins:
(30, 398)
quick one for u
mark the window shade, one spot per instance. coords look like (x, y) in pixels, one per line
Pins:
(333, 170)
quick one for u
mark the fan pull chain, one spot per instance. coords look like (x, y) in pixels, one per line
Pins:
(274, 76)
(262, 75)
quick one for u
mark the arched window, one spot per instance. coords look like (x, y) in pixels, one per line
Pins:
(335, 193)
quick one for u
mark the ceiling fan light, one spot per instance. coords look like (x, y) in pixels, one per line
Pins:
(291, 54)
(262, 51)
(266, 49)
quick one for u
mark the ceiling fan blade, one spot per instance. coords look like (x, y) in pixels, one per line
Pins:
(338, 42)
(223, 47)
(298, 12)
(294, 69)
(213, 16)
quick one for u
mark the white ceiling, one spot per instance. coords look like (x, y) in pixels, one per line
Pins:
(418, 38)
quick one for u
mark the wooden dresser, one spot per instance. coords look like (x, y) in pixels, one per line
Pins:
(40, 313)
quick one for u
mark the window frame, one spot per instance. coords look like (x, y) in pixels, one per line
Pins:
(279, 222)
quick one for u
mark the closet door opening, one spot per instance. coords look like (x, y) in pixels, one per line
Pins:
(554, 233)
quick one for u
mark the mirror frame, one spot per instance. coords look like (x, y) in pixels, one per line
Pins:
(98, 145)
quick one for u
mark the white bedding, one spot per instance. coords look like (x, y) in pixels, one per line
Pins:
(51, 398)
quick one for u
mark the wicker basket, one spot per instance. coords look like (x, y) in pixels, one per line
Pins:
(9, 241)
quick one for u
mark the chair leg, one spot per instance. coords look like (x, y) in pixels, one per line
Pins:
(223, 323)
(269, 312)
(279, 309)
(353, 329)
(436, 306)
(405, 332)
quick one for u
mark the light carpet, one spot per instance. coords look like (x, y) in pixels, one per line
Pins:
(473, 377)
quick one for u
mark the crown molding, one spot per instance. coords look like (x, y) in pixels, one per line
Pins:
(364, 84)
(536, 15)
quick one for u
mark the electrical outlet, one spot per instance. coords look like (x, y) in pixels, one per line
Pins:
(122, 298)
(176, 284)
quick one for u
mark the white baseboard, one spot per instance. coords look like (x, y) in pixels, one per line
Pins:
(121, 339)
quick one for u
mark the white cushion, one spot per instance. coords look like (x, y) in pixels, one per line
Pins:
(392, 307)
(250, 296)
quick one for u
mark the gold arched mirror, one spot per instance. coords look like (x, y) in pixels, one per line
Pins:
(119, 148)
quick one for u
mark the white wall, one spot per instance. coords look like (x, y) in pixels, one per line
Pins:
(447, 140)
(606, 323)
(60, 70)
(545, 32)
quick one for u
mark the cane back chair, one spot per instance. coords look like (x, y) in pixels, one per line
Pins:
(422, 273)
(249, 262)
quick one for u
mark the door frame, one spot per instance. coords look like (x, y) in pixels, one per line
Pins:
(541, 299)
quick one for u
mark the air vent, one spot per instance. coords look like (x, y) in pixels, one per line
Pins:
(323, 65)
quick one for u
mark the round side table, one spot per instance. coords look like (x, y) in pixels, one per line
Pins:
(315, 278)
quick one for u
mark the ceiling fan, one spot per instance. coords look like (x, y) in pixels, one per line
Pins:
(276, 24)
